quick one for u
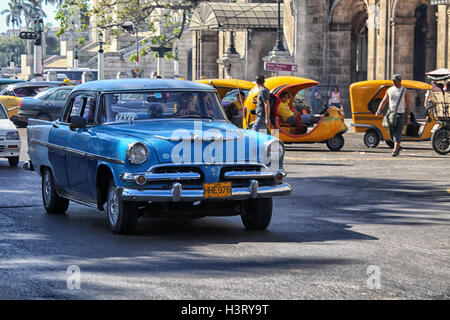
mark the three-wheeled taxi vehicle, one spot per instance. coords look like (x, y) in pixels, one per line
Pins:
(329, 129)
(366, 96)
(228, 90)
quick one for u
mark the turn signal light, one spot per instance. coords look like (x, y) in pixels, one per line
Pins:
(140, 180)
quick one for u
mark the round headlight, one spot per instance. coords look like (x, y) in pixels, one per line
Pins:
(275, 150)
(137, 153)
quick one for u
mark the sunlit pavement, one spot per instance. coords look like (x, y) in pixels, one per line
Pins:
(351, 212)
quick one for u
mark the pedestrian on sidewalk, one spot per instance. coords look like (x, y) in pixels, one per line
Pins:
(262, 106)
(399, 111)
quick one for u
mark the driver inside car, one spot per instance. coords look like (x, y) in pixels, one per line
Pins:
(186, 105)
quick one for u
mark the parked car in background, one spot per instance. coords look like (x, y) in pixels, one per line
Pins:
(9, 139)
(6, 82)
(171, 152)
(46, 105)
(12, 94)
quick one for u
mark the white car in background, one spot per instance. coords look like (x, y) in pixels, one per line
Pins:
(9, 139)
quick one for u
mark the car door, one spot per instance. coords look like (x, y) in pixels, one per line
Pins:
(58, 139)
(79, 164)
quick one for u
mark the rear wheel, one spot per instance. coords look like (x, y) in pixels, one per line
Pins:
(13, 161)
(390, 143)
(257, 214)
(336, 143)
(371, 139)
(52, 202)
(122, 215)
(441, 141)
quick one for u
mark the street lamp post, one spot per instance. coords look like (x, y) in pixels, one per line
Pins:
(75, 58)
(101, 62)
(176, 65)
(130, 27)
(38, 54)
(279, 44)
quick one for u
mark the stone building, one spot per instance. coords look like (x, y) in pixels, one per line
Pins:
(336, 42)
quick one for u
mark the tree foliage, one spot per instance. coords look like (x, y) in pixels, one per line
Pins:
(8, 46)
(165, 19)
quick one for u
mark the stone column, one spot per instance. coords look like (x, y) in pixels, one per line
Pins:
(403, 46)
(231, 64)
(443, 37)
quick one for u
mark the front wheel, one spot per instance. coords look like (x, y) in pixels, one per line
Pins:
(440, 141)
(257, 214)
(336, 143)
(371, 139)
(122, 215)
(52, 202)
(13, 161)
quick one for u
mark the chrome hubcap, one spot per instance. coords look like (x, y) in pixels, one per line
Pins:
(47, 188)
(113, 206)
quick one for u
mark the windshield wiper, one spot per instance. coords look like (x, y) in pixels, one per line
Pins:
(197, 116)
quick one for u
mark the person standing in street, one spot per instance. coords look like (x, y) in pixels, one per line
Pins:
(398, 98)
(262, 106)
(315, 100)
(335, 99)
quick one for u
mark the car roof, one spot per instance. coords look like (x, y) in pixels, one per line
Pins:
(34, 84)
(142, 84)
(10, 81)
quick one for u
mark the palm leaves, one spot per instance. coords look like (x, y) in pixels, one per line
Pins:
(13, 14)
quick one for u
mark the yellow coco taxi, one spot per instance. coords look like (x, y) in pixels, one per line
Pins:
(228, 90)
(329, 127)
(11, 105)
(365, 98)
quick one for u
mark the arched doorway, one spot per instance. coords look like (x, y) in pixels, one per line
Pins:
(359, 42)
(420, 42)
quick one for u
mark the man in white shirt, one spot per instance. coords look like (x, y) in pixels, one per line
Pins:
(398, 97)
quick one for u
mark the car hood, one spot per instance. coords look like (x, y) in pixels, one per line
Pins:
(164, 136)
(7, 125)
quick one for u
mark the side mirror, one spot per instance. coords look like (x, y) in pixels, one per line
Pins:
(77, 122)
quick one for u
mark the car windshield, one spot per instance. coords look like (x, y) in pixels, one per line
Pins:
(3, 115)
(134, 106)
(45, 93)
(232, 96)
(29, 91)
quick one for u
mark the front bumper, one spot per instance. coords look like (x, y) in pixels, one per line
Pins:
(177, 194)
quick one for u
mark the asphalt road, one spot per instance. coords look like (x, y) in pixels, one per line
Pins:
(351, 212)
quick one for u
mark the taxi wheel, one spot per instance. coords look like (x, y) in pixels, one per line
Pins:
(52, 202)
(440, 141)
(122, 215)
(257, 214)
(13, 161)
(371, 139)
(336, 143)
(390, 143)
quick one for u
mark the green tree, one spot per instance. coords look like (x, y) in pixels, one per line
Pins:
(169, 17)
(13, 14)
(8, 46)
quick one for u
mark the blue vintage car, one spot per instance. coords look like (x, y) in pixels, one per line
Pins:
(156, 147)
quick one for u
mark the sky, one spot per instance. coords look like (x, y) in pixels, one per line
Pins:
(48, 9)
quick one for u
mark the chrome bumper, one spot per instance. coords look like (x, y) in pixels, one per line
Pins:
(177, 194)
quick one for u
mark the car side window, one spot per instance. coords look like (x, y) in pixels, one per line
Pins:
(62, 95)
(52, 96)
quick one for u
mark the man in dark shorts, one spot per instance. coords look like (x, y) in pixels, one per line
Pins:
(262, 106)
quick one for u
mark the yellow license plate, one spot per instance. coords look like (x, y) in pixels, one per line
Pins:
(217, 190)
